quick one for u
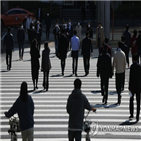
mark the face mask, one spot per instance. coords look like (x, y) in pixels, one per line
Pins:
(89, 25)
(78, 23)
(37, 21)
(22, 26)
(33, 27)
(47, 14)
(69, 23)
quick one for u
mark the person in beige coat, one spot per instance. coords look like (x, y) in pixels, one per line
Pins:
(78, 28)
(119, 63)
(99, 36)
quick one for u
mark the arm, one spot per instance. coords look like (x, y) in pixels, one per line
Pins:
(68, 105)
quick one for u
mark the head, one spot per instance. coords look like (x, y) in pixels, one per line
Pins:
(46, 45)
(75, 32)
(78, 22)
(119, 44)
(99, 24)
(77, 83)
(9, 29)
(135, 57)
(47, 13)
(135, 32)
(127, 26)
(123, 38)
(105, 47)
(106, 40)
(89, 24)
(34, 43)
(24, 91)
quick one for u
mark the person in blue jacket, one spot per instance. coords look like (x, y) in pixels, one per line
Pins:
(24, 107)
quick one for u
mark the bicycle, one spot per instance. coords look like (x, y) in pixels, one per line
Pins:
(14, 127)
(86, 127)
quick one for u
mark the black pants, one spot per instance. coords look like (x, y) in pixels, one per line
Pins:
(132, 104)
(99, 47)
(21, 50)
(119, 83)
(123, 81)
(74, 64)
(39, 41)
(47, 32)
(104, 86)
(45, 79)
(86, 60)
(8, 57)
(74, 135)
(63, 62)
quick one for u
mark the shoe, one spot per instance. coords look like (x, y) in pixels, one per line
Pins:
(36, 87)
(131, 116)
(103, 99)
(62, 74)
(137, 119)
(119, 100)
(122, 89)
(105, 103)
(76, 74)
(7, 67)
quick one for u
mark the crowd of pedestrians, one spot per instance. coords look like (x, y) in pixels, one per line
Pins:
(67, 38)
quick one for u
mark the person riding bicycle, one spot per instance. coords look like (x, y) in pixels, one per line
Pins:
(24, 107)
(76, 104)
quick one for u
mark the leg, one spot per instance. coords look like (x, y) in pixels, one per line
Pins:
(106, 88)
(10, 59)
(84, 61)
(47, 80)
(73, 59)
(77, 135)
(24, 135)
(7, 54)
(88, 62)
(76, 64)
(138, 105)
(44, 79)
(131, 106)
(30, 134)
(102, 86)
(37, 73)
(123, 81)
(19, 51)
(118, 86)
(71, 135)
(63, 65)
(22, 49)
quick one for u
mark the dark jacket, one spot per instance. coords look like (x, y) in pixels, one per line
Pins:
(20, 35)
(87, 47)
(32, 34)
(25, 112)
(109, 50)
(124, 48)
(90, 30)
(8, 42)
(76, 104)
(48, 22)
(46, 64)
(127, 35)
(139, 42)
(40, 29)
(70, 31)
(135, 78)
(56, 32)
(104, 66)
(63, 46)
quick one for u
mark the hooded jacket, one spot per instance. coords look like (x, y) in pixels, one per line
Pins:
(76, 104)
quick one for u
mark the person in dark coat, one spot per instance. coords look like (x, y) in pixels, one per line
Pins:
(139, 45)
(21, 39)
(76, 104)
(69, 30)
(24, 107)
(90, 30)
(34, 52)
(87, 50)
(45, 65)
(127, 35)
(48, 25)
(63, 49)
(32, 34)
(39, 33)
(135, 86)
(39, 13)
(104, 70)
(9, 47)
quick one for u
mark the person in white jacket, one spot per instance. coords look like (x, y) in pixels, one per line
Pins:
(78, 28)
(28, 22)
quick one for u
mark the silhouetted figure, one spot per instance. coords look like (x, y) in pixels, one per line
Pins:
(34, 52)
(78, 28)
(9, 47)
(48, 25)
(46, 65)
(90, 30)
(63, 49)
(104, 70)
(24, 107)
(21, 39)
(76, 104)
(39, 14)
(32, 34)
(87, 50)
(139, 45)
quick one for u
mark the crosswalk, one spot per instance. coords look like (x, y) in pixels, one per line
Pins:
(110, 122)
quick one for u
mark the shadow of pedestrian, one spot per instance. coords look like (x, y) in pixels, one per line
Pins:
(111, 106)
(5, 71)
(57, 75)
(37, 92)
(128, 122)
(112, 93)
(96, 91)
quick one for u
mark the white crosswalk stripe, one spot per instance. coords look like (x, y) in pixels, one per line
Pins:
(51, 118)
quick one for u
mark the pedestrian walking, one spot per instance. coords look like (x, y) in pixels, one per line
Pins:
(21, 39)
(87, 50)
(99, 36)
(76, 104)
(39, 13)
(63, 49)
(48, 25)
(104, 70)
(134, 44)
(39, 33)
(139, 45)
(78, 28)
(56, 32)
(135, 86)
(69, 30)
(24, 107)
(34, 52)
(46, 65)
(119, 63)
(75, 44)
(28, 23)
(32, 34)
(90, 30)
(8, 47)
